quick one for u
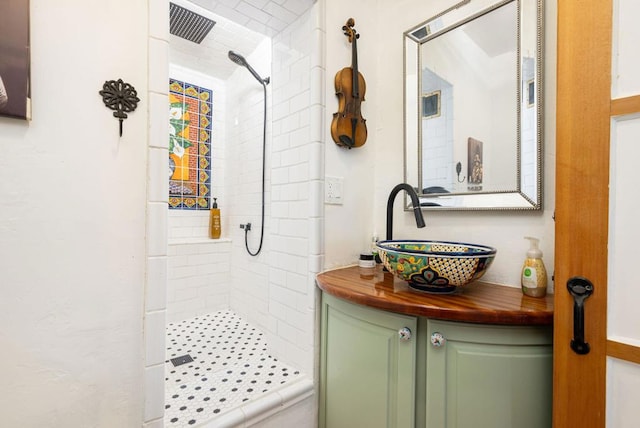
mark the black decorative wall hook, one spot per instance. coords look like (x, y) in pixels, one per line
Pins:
(458, 171)
(121, 97)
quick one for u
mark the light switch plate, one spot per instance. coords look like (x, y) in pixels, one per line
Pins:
(333, 190)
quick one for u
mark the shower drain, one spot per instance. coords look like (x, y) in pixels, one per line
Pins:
(183, 359)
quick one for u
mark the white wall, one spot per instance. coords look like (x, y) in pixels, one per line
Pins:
(371, 171)
(623, 378)
(349, 227)
(72, 225)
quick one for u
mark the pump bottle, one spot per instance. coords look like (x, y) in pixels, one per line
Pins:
(215, 228)
(534, 274)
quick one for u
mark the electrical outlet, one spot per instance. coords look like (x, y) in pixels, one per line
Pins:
(333, 187)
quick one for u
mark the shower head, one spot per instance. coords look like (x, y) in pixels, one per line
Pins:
(239, 59)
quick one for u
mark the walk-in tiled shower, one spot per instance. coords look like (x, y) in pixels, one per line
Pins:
(218, 365)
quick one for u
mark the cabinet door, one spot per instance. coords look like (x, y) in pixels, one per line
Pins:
(367, 371)
(489, 376)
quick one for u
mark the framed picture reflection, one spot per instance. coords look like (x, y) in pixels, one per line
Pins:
(15, 92)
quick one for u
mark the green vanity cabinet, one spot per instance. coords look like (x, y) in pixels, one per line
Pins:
(469, 375)
(367, 370)
(492, 368)
(488, 376)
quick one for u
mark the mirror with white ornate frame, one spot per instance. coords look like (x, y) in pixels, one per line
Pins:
(473, 106)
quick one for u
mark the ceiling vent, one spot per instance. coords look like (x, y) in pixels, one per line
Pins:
(187, 24)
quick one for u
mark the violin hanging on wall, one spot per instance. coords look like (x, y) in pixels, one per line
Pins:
(348, 127)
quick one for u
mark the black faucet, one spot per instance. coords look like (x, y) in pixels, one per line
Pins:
(414, 201)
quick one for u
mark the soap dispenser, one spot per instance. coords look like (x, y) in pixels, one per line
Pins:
(534, 274)
(215, 228)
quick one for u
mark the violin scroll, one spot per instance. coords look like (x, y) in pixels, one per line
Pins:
(349, 31)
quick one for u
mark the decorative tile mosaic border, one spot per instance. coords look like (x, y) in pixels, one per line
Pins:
(190, 123)
(230, 367)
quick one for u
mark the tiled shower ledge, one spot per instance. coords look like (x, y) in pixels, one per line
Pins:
(232, 379)
(188, 241)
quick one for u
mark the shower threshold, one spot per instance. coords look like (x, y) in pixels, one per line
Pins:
(232, 379)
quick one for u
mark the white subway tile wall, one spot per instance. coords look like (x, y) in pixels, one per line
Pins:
(199, 276)
(249, 288)
(185, 225)
(295, 214)
(199, 267)
(157, 197)
(264, 16)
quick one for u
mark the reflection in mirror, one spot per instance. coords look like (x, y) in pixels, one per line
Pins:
(473, 106)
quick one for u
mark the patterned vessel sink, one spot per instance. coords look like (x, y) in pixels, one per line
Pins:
(436, 266)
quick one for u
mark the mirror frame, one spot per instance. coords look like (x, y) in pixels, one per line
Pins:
(513, 199)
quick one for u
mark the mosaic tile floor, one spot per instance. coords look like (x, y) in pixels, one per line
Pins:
(230, 366)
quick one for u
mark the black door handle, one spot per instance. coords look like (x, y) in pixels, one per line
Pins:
(580, 288)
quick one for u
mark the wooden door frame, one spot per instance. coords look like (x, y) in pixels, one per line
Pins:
(582, 206)
(583, 132)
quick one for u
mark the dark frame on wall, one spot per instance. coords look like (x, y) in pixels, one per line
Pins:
(15, 64)
(531, 93)
(431, 105)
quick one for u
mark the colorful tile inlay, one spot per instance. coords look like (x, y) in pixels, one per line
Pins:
(190, 119)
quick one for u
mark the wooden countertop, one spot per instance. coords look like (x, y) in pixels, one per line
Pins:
(479, 302)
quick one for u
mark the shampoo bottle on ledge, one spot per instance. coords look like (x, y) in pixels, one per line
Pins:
(215, 228)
